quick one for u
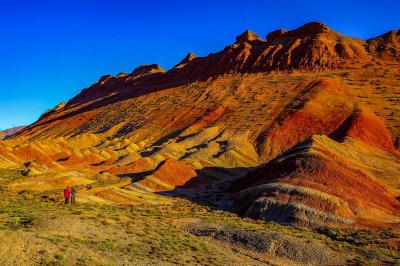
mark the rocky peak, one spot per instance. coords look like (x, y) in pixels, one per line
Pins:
(394, 35)
(121, 74)
(307, 30)
(391, 36)
(275, 35)
(188, 58)
(247, 36)
(386, 46)
(312, 28)
(60, 106)
(143, 70)
(104, 78)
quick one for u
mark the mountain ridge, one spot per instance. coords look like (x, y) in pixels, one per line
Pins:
(311, 47)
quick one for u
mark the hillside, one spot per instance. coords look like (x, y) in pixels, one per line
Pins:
(301, 128)
(9, 132)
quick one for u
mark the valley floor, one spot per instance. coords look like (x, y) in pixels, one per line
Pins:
(38, 231)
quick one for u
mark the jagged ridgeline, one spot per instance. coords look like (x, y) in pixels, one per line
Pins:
(302, 127)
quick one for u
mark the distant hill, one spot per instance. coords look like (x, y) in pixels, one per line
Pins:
(9, 132)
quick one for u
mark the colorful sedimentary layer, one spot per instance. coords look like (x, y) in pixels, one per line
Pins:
(303, 127)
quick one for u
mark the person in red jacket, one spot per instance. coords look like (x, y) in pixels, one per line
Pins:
(67, 194)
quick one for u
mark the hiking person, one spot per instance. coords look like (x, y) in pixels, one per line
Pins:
(67, 194)
(73, 195)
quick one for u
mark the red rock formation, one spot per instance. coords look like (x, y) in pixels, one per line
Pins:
(172, 173)
(386, 46)
(320, 182)
(314, 46)
(247, 36)
(141, 165)
(365, 126)
(109, 85)
(144, 70)
(188, 58)
(318, 109)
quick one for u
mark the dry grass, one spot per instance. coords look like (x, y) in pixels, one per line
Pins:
(35, 231)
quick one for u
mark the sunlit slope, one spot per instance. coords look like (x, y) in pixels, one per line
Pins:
(253, 105)
(190, 150)
(321, 181)
(196, 128)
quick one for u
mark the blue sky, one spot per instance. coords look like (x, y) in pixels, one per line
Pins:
(50, 50)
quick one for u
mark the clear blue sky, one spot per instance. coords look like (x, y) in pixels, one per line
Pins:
(50, 50)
